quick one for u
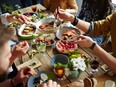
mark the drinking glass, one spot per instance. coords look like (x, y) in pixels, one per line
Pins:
(41, 48)
(94, 64)
(59, 71)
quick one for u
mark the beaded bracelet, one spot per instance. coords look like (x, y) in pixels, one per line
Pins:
(76, 20)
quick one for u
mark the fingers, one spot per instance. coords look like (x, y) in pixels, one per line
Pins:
(24, 46)
(21, 18)
(81, 37)
(24, 74)
(51, 83)
(45, 85)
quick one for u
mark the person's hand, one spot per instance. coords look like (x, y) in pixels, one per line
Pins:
(23, 75)
(20, 49)
(17, 17)
(51, 83)
(63, 15)
(84, 41)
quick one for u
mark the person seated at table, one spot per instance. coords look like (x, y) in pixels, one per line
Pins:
(86, 41)
(6, 59)
(94, 29)
(4, 20)
(23, 74)
(93, 10)
(68, 5)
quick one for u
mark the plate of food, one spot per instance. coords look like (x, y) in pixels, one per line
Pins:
(29, 14)
(27, 31)
(46, 39)
(46, 24)
(65, 47)
(32, 16)
(40, 78)
(67, 34)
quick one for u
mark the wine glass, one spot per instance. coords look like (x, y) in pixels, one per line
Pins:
(59, 71)
(34, 8)
(94, 64)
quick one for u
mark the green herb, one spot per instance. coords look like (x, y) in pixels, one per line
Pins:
(74, 54)
(60, 65)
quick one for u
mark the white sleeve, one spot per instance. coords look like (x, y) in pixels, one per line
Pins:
(3, 19)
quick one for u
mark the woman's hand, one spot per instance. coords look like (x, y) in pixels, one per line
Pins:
(63, 15)
(17, 17)
(23, 75)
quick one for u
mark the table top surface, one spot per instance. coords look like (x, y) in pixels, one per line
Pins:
(44, 59)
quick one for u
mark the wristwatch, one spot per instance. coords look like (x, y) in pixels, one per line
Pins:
(76, 20)
(92, 46)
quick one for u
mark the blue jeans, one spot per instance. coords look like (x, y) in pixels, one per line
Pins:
(98, 39)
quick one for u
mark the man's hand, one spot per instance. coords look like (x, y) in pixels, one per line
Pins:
(20, 49)
(23, 75)
(84, 41)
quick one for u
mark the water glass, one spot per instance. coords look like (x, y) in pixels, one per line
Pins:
(41, 47)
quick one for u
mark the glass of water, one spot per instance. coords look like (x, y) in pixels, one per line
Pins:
(41, 48)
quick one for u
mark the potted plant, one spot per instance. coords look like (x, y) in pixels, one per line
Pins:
(76, 64)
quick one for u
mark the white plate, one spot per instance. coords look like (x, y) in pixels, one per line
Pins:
(43, 21)
(60, 31)
(30, 82)
(45, 36)
(21, 30)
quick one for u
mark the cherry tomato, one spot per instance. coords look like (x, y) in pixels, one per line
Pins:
(28, 14)
(46, 25)
(41, 26)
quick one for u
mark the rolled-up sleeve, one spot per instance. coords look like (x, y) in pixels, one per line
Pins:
(103, 27)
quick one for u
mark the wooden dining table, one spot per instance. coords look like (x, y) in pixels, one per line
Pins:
(44, 60)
